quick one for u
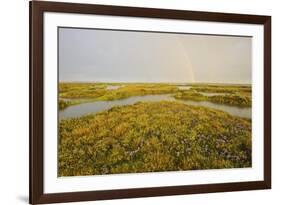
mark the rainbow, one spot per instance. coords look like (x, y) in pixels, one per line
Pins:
(187, 62)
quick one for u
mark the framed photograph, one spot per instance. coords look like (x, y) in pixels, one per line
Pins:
(139, 102)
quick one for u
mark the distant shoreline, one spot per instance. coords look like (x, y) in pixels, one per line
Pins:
(170, 83)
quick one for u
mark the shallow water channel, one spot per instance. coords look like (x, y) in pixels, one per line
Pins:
(99, 106)
(114, 87)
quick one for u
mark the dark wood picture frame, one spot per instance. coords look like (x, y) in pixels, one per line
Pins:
(37, 8)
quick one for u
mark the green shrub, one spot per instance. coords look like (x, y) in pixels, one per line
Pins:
(151, 137)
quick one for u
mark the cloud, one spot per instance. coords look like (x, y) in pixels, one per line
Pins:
(127, 56)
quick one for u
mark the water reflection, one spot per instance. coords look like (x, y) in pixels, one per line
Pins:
(114, 87)
(99, 106)
(184, 87)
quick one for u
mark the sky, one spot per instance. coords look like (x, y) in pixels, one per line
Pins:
(91, 55)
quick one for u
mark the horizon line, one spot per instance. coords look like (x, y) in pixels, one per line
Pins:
(237, 83)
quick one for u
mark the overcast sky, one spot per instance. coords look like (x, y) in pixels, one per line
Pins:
(122, 56)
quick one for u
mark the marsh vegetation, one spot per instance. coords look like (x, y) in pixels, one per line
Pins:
(145, 127)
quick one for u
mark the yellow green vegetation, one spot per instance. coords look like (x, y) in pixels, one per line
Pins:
(150, 137)
(86, 92)
(222, 89)
(240, 99)
(190, 95)
(138, 90)
(99, 91)
(234, 99)
(81, 90)
(66, 103)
